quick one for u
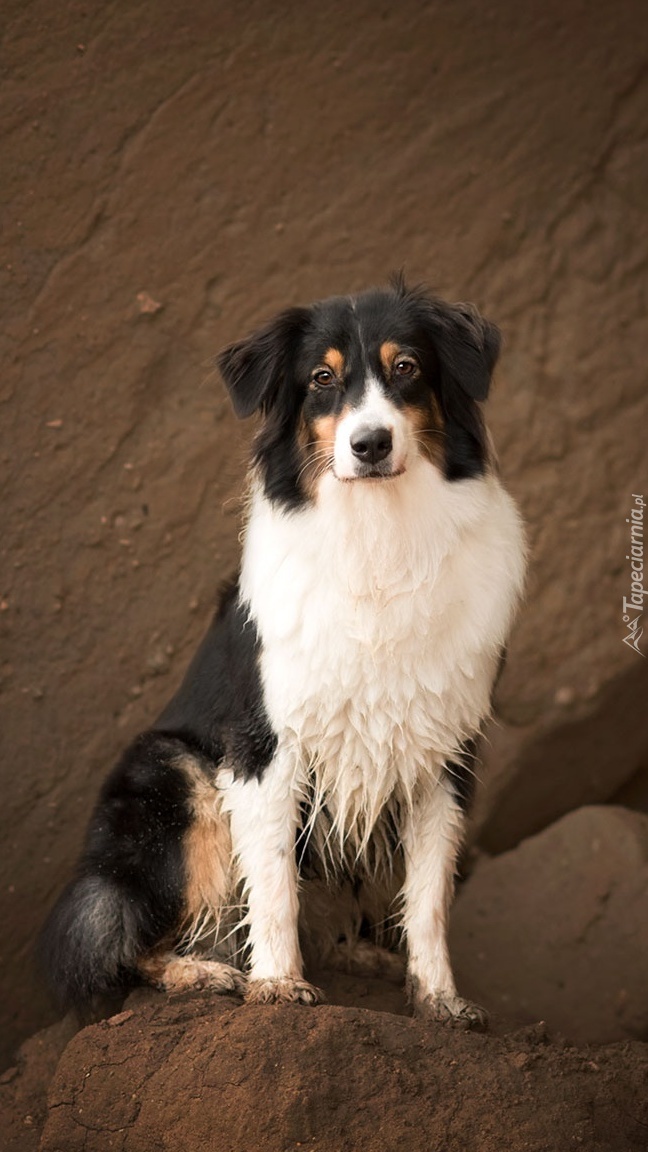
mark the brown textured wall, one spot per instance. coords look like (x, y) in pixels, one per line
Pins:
(227, 160)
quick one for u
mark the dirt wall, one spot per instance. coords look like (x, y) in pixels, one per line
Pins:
(171, 174)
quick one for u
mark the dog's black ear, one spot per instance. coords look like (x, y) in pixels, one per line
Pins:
(467, 346)
(254, 368)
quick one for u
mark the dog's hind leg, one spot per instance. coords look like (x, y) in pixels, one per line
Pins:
(155, 872)
(364, 958)
(173, 973)
(208, 935)
(332, 918)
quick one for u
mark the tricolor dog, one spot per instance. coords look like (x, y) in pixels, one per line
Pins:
(303, 795)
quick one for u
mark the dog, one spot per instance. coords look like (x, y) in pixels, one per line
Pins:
(305, 791)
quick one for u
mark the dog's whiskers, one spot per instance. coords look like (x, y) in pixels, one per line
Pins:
(321, 461)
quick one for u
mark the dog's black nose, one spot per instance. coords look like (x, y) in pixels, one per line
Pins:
(371, 445)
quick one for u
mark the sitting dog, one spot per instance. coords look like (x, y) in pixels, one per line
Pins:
(305, 791)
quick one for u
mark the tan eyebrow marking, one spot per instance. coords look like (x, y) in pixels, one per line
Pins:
(388, 352)
(335, 360)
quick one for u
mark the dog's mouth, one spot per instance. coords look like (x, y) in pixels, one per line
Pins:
(373, 474)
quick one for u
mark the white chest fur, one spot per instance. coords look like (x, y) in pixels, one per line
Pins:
(381, 610)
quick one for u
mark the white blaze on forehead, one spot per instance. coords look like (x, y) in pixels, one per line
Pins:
(375, 411)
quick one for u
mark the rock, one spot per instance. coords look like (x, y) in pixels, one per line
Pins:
(634, 794)
(23, 1087)
(196, 1073)
(536, 774)
(557, 928)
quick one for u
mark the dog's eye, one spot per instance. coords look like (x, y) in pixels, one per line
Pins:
(323, 376)
(404, 367)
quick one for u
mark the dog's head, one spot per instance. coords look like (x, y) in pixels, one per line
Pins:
(362, 386)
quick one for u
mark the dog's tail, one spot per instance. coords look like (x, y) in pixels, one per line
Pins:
(129, 889)
(90, 942)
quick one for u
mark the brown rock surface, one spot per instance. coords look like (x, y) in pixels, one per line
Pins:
(540, 772)
(23, 1087)
(634, 793)
(197, 1073)
(221, 161)
(557, 928)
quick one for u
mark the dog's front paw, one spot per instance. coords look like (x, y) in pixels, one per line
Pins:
(283, 991)
(448, 1008)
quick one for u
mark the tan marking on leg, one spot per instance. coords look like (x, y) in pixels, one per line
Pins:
(210, 882)
(208, 851)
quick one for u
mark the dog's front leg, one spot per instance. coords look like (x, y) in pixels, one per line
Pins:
(432, 838)
(264, 817)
